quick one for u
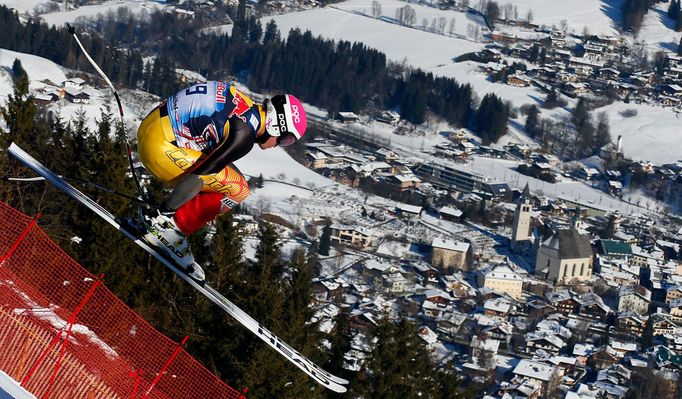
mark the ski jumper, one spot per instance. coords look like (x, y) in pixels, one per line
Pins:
(201, 130)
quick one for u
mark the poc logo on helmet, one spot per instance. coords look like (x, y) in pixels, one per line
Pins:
(296, 116)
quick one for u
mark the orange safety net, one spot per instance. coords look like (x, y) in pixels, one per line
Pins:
(63, 334)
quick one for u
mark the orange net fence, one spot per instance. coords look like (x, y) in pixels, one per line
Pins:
(63, 334)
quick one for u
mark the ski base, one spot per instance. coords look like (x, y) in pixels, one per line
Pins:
(321, 376)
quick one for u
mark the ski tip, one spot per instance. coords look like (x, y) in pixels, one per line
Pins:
(338, 388)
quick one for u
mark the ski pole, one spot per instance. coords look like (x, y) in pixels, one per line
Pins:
(89, 183)
(129, 148)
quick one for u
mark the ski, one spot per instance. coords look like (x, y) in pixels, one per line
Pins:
(323, 377)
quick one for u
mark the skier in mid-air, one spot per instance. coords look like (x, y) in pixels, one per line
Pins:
(190, 141)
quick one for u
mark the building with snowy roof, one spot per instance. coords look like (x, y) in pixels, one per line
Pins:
(545, 375)
(634, 298)
(565, 257)
(504, 279)
(352, 235)
(451, 255)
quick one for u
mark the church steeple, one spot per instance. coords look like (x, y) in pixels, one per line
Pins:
(521, 225)
(526, 193)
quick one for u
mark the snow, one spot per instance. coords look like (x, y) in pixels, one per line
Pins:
(658, 31)
(599, 16)
(10, 389)
(135, 6)
(653, 135)
(342, 22)
(49, 315)
(37, 68)
(275, 161)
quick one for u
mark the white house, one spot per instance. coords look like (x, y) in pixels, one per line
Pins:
(634, 298)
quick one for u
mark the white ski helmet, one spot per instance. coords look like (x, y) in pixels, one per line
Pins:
(285, 119)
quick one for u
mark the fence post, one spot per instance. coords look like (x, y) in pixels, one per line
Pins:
(138, 380)
(165, 366)
(18, 241)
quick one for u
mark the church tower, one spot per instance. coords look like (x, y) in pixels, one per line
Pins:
(521, 226)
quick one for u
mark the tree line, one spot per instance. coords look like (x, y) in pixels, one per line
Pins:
(574, 137)
(337, 76)
(274, 288)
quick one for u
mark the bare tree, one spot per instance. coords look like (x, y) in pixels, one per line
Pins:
(425, 24)
(403, 15)
(441, 25)
(507, 11)
(515, 13)
(529, 16)
(451, 29)
(433, 25)
(563, 25)
(406, 16)
(376, 9)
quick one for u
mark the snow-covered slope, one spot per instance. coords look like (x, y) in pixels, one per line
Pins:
(37, 68)
(598, 16)
(422, 49)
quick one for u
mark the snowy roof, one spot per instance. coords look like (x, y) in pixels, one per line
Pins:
(583, 349)
(447, 210)
(374, 264)
(534, 370)
(409, 208)
(637, 290)
(544, 335)
(317, 155)
(487, 344)
(428, 335)
(450, 245)
(497, 305)
(570, 244)
(77, 81)
(503, 273)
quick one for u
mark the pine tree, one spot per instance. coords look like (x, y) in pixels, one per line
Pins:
(678, 24)
(602, 135)
(20, 113)
(679, 47)
(491, 119)
(325, 240)
(400, 364)
(18, 72)
(532, 120)
(449, 382)
(340, 340)
(270, 296)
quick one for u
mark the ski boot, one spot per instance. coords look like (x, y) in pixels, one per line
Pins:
(161, 232)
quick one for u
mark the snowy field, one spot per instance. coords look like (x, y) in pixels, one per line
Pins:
(654, 135)
(37, 68)
(598, 16)
(418, 48)
(658, 31)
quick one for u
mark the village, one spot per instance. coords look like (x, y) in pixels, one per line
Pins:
(529, 296)
(585, 66)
